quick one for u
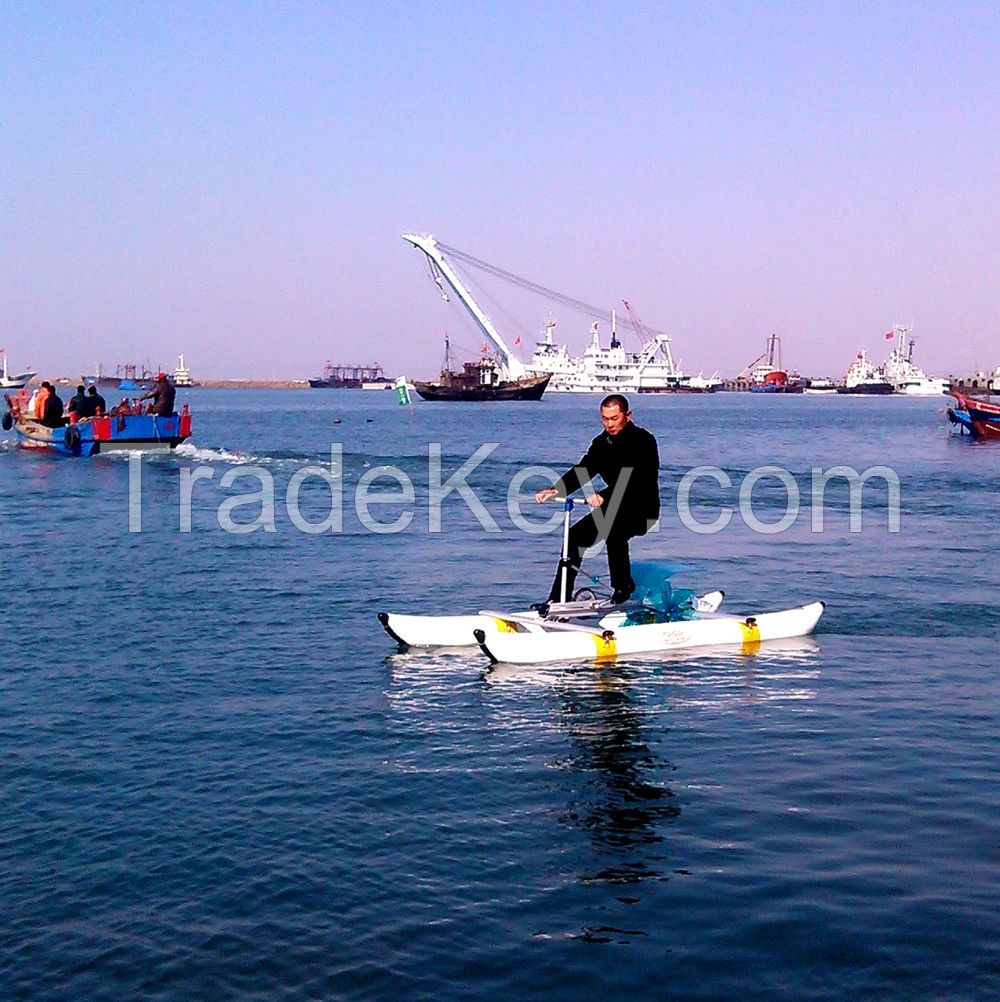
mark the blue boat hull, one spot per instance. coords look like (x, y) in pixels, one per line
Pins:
(116, 433)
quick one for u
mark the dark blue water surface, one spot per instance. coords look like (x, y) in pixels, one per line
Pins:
(221, 781)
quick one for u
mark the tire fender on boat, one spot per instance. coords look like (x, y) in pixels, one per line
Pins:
(71, 439)
(7, 421)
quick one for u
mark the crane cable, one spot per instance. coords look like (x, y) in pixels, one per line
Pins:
(541, 290)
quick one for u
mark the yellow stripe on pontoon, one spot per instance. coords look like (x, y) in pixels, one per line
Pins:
(605, 648)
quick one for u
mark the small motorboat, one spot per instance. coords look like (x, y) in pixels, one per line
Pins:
(125, 429)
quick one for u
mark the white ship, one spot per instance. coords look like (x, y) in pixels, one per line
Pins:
(182, 374)
(901, 372)
(703, 384)
(865, 378)
(600, 369)
(611, 369)
(9, 382)
(821, 385)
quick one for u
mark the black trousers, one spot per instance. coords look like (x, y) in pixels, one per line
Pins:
(586, 533)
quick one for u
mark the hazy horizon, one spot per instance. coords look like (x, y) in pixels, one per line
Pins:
(232, 182)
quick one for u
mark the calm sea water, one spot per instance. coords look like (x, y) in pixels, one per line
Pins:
(221, 781)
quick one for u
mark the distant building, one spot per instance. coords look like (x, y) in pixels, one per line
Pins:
(981, 381)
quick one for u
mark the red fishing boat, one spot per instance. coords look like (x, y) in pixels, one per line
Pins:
(980, 417)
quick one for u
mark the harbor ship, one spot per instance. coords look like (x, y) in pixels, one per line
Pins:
(897, 375)
(349, 377)
(182, 374)
(766, 374)
(864, 378)
(9, 381)
(480, 380)
(129, 377)
(601, 369)
(612, 369)
(900, 371)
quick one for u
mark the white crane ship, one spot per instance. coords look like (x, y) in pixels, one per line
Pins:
(905, 377)
(600, 369)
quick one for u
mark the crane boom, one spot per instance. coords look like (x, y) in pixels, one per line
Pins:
(659, 341)
(509, 361)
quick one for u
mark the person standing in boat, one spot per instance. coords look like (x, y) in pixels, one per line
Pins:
(95, 405)
(37, 402)
(162, 395)
(626, 458)
(54, 409)
(51, 407)
(77, 404)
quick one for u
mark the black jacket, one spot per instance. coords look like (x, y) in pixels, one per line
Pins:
(91, 404)
(633, 448)
(53, 416)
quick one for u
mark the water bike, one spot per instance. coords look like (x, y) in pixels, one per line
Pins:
(585, 626)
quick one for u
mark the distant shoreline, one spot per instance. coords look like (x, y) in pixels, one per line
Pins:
(249, 384)
(215, 384)
(975, 381)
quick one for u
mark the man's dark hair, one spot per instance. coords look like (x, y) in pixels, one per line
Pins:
(92, 391)
(79, 389)
(615, 400)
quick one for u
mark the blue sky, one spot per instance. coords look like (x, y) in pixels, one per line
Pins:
(231, 180)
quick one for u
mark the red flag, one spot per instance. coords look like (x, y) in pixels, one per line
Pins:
(888, 335)
(485, 348)
(517, 340)
(860, 355)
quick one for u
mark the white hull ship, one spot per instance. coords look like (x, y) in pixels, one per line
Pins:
(864, 378)
(600, 369)
(823, 387)
(612, 369)
(9, 382)
(182, 374)
(904, 376)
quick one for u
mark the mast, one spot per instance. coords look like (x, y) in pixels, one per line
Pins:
(510, 362)
(774, 351)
